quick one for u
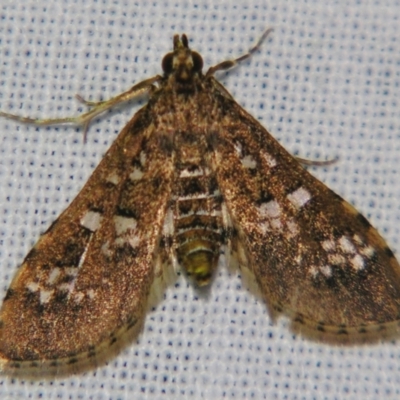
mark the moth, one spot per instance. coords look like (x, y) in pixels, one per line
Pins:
(190, 176)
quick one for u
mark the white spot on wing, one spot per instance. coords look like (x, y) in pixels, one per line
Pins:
(249, 162)
(336, 259)
(91, 220)
(357, 239)
(298, 259)
(45, 296)
(299, 197)
(293, 228)
(328, 245)
(142, 157)
(346, 252)
(54, 274)
(119, 242)
(276, 223)
(238, 147)
(264, 227)
(326, 270)
(113, 178)
(346, 245)
(313, 270)
(270, 209)
(78, 297)
(368, 251)
(357, 262)
(32, 286)
(67, 287)
(270, 215)
(105, 248)
(136, 175)
(134, 241)
(270, 160)
(123, 224)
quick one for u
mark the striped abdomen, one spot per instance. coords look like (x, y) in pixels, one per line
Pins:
(198, 221)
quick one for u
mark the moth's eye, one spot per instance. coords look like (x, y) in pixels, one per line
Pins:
(197, 62)
(167, 63)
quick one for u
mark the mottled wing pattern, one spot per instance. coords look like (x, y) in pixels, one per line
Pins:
(84, 284)
(313, 255)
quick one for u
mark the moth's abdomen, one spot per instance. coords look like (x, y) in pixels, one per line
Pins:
(198, 222)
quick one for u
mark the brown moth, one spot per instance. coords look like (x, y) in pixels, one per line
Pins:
(190, 174)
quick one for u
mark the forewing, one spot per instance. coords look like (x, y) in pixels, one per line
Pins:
(313, 255)
(85, 283)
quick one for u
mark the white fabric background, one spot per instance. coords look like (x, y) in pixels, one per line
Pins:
(326, 84)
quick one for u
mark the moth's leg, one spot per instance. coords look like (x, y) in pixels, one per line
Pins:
(224, 65)
(98, 107)
(317, 163)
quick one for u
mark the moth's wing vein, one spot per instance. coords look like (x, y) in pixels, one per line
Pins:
(87, 279)
(314, 256)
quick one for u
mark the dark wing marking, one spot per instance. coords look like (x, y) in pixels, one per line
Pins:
(314, 256)
(95, 264)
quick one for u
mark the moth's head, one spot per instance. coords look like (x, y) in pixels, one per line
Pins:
(183, 63)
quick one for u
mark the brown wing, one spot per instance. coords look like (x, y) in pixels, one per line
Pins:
(313, 255)
(85, 283)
